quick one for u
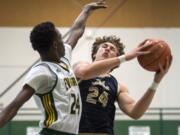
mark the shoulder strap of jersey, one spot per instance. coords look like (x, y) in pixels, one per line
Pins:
(117, 84)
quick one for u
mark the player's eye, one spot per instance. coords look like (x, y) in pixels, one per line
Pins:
(113, 49)
(104, 46)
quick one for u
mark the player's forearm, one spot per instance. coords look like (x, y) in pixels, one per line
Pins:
(143, 104)
(7, 114)
(82, 18)
(78, 27)
(80, 21)
(98, 67)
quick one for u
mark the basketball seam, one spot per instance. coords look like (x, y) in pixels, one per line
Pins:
(157, 58)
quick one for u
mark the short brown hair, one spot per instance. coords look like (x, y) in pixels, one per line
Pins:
(111, 39)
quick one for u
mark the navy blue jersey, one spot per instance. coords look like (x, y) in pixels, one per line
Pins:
(98, 111)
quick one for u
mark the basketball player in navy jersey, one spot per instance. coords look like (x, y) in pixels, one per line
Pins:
(52, 81)
(99, 89)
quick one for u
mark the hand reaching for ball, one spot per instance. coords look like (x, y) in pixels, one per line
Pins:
(163, 70)
(159, 53)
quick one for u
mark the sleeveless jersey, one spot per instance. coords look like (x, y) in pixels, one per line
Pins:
(98, 100)
(56, 94)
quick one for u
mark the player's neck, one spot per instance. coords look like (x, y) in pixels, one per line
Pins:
(50, 58)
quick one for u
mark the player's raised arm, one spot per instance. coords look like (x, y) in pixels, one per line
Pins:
(78, 26)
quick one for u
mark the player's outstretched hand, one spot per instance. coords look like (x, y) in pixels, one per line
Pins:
(96, 5)
(163, 70)
(139, 50)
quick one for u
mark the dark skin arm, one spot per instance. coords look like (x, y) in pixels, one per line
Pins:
(78, 26)
(11, 110)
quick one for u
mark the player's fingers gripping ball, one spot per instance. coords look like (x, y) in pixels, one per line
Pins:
(159, 52)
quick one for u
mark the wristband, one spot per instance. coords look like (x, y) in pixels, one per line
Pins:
(154, 86)
(122, 58)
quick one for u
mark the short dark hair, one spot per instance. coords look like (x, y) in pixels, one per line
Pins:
(111, 39)
(42, 36)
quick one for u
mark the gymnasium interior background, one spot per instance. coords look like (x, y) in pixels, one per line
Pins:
(133, 21)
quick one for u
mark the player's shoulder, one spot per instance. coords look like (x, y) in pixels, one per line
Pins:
(80, 63)
(40, 69)
(123, 87)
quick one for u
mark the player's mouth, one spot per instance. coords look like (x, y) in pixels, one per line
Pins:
(106, 55)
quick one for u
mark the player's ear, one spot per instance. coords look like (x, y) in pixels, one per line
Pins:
(93, 56)
(55, 44)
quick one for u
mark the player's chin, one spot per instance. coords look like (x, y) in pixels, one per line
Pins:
(105, 56)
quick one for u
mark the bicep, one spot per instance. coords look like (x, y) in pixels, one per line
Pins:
(125, 101)
(80, 68)
(24, 95)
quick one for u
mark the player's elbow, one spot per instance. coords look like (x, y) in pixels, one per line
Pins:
(83, 74)
(136, 116)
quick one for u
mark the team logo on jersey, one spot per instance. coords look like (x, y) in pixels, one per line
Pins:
(100, 83)
(69, 82)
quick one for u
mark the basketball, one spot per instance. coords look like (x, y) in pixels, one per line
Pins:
(159, 52)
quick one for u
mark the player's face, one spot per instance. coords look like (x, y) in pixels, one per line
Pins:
(106, 50)
(60, 45)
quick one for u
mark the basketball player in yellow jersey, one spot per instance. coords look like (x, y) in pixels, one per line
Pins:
(52, 81)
